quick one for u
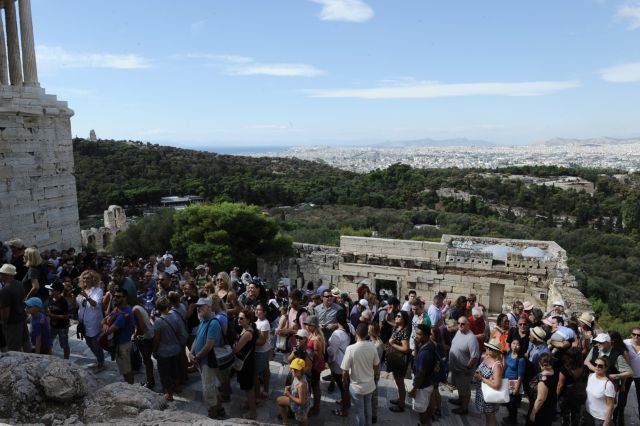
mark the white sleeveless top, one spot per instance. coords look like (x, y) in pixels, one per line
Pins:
(145, 318)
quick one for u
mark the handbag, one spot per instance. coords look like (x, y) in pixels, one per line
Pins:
(396, 360)
(496, 396)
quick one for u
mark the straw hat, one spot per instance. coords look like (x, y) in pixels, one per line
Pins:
(494, 344)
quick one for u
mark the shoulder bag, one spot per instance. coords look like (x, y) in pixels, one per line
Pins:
(496, 396)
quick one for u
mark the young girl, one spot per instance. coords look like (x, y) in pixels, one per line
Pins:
(514, 371)
(296, 396)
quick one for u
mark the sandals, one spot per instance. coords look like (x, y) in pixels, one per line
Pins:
(339, 413)
(397, 408)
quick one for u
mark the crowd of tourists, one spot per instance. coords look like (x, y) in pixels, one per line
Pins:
(228, 326)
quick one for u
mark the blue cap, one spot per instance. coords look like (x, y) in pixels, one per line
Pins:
(33, 301)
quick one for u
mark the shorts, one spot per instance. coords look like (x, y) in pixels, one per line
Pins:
(462, 382)
(210, 384)
(421, 401)
(224, 374)
(63, 336)
(123, 357)
(262, 361)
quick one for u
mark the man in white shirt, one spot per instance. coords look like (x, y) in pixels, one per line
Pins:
(407, 303)
(359, 367)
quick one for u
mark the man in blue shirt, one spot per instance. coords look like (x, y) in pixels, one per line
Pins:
(120, 324)
(209, 334)
(422, 373)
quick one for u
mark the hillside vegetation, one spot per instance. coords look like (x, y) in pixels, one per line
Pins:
(600, 231)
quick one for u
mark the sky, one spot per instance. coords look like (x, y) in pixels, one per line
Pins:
(202, 73)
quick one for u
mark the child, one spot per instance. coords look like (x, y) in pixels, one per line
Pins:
(40, 331)
(296, 396)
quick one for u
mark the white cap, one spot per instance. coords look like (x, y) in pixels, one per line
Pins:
(602, 338)
(364, 303)
(558, 303)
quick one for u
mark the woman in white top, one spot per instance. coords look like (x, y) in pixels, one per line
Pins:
(262, 351)
(337, 345)
(143, 335)
(601, 395)
(633, 346)
(90, 313)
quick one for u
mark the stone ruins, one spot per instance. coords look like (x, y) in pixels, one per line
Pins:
(499, 271)
(115, 221)
(38, 201)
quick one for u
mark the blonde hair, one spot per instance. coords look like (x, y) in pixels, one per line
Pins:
(225, 279)
(95, 277)
(32, 257)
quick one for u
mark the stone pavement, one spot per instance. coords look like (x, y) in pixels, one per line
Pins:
(191, 397)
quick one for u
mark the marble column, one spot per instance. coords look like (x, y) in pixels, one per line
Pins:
(28, 46)
(13, 42)
(4, 67)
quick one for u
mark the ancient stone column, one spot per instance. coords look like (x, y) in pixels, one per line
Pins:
(13, 42)
(4, 67)
(28, 46)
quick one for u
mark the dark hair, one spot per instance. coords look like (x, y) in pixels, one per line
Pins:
(546, 361)
(572, 358)
(362, 330)
(500, 318)
(118, 270)
(394, 301)
(559, 319)
(520, 347)
(121, 290)
(616, 342)
(405, 318)
(425, 329)
(341, 318)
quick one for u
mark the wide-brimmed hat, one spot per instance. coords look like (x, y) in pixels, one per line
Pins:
(335, 292)
(8, 269)
(527, 306)
(538, 333)
(494, 344)
(586, 318)
(312, 320)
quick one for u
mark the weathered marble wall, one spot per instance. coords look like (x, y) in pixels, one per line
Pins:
(38, 201)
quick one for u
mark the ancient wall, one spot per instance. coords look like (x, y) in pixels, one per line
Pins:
(115, 221)
(38, 201)
(310, 262)
(455, 265)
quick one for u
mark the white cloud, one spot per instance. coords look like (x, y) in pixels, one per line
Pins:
(198, 27)
(440, 90)
(243, 65)
(345, 10)
(278, 70)
(630, 12)
(58, 57)
(625, 73)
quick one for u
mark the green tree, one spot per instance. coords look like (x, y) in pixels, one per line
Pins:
(149, 235)
(226, 234)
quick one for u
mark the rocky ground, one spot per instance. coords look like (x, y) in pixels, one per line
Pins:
(52, 391)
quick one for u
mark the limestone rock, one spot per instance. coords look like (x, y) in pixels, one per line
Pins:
(118, 400)
(175, 418)
(65, 382)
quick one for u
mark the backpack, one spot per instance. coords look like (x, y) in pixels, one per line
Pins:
(272, 313)
(231, 334)
(441, 367)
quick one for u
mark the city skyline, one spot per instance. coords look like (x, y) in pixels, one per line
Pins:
(342, 72)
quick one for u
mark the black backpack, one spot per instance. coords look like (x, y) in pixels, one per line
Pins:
(272, 312)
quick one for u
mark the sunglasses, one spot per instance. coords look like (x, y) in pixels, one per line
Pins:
(299, 337)
(599, 365)
(635, 334)
(241, 318)
(522, 325)
(219, 279)
(326, 296)
(462, 323)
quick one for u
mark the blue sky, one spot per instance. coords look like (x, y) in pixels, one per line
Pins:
(301, 72)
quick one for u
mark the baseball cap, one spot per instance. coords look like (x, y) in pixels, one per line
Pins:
(364, 303)
(297, 364)
(33, 302)
(602, 338)
(204, 301)
(302, 333)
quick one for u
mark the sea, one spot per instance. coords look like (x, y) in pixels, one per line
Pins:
(242, 150)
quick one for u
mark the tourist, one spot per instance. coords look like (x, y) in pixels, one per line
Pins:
(572, 387)
(219, 310)
(90, 314)
(447, 333)
(191, 299)
(202, 278)
(434, 311)
(537, 347)
(167, 344)
(227, 294)
(463, 357)
(535, 317)
(35, 279)
(120, 324)
(418, 316)
(501, 332)
(387, 318)
(143, 338)
(478, 325)
(296, 396)
(489, 372)
(557, 310)
(618, 346)
(249, 299)
(321, 287)
(337, 344)
(633, 346)
(58, 313)
(245, 350)
(521, 333)
(397, 357)
(40, 331)
(516, 312)
(209, 332)
(295, 318)
(514, 369)
(617, 367)
(435, 344)
(586, 332)
(601, 394)
(12, 315)
(357, 310)
(460, 308)
(423, 367)
(264, 349)
(374, 337)
(543, 393)
(359, 367)
(409, 298)
(16, 257)
(327, 313)
(316, 344)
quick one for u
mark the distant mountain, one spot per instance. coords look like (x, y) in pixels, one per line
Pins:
(601, 141)
(436, 143)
